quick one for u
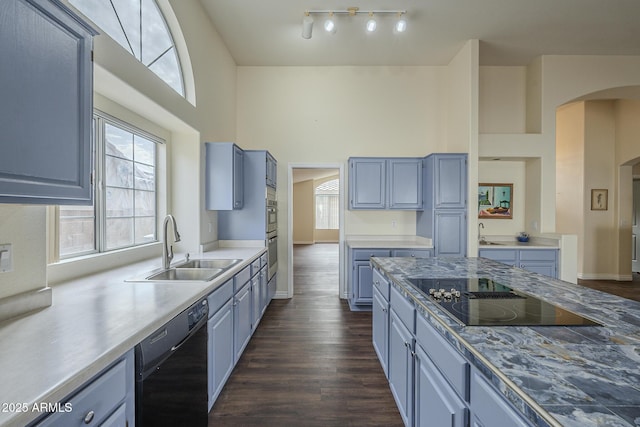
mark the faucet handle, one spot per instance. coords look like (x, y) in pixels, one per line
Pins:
(186, 257)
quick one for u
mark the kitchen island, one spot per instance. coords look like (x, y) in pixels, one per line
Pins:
(550, 375)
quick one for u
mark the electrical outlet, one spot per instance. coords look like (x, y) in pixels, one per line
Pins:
(6, 258)
(393, 223)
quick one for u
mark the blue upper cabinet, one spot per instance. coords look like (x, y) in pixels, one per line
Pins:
(46, 74)
(272, 171)
(379, 183)
(445, 181)
(224, 176)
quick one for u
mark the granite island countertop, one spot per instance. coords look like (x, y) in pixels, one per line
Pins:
(92, 322)
(572, 376)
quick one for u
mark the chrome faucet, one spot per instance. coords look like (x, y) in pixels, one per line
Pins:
(167, 250)
(480, 236)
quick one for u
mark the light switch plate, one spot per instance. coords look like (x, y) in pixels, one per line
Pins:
(6, 258)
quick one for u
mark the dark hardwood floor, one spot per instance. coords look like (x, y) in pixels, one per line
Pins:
(630, 290)
(311, 361)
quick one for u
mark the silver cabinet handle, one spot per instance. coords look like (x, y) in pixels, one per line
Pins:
(89, 417)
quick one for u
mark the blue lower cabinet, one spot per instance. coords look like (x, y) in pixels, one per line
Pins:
(241, 320)
(435, 402)
(220, 350)
(108, 399)
(541, 261)
(256, 302)
(401, 367)
(489, 408)
(380, 329)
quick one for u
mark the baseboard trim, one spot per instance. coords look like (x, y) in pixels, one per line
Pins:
(605, 276)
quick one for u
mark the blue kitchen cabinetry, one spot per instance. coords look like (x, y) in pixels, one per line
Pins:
(542, 261)
(444, 217)
(235, 309)
(242, 317)
(224, 176)
(430, 380)
(361, 274)
(250, 222)
(46, 105)
(220, 351)
(271, 170)
(380, 319)
(385, 183)
(108, 399)
(401, 350)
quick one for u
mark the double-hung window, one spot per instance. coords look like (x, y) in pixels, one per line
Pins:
(125, 210)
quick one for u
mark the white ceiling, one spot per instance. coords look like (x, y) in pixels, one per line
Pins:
(511, 32)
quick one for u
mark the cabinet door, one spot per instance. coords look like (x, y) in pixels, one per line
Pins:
(256, 302)
(272, 171)
(47, 105)
(404, 184)
(542, 261)
(380, 329)
(363, 283)
(367, 179)
(220, 351)
(238, 178)
(401, 367)
(264, 290)
(489, 408)
(450, 237)
(224, 176)
(435, 403)
(241, 320)
(450, 181)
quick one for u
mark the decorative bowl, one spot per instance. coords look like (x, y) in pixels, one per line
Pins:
(522, 239)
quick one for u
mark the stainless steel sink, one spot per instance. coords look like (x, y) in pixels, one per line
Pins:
(200, 270)
(197, 274)
(209, 263)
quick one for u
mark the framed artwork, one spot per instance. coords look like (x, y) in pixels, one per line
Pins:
(495, 201)
(599, 199)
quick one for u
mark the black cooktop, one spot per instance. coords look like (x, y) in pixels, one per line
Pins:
(484, 302)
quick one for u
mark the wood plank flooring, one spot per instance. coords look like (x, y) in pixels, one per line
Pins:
(630, 290)
(311, 361)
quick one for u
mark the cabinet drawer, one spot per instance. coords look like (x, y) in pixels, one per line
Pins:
(504, 255)
(241, 278)
(537, 255)
(413, 253)
(96, 401)
(404, 309)
(219, 297)
(365, 254)
(263, 259)
(449, 362)
(255, 267)
(381, 284)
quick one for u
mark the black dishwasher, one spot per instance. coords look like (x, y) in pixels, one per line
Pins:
(171, 372)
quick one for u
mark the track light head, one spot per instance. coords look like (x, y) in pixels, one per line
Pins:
(329, 24)
(307, 26)
(401, 25)
(371, 23)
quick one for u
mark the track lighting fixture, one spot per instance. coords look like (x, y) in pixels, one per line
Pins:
(330, 23)
(307, 26)
(371, 23)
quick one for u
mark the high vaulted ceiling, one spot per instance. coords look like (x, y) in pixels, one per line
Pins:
(511, 32)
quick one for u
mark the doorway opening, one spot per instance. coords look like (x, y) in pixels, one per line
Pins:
(316, 218)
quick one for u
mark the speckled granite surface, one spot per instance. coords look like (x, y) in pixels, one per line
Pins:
(578, 376)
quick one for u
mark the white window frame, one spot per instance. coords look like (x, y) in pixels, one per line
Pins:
(100, 118)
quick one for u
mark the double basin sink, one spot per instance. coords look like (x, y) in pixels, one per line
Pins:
(201, 270)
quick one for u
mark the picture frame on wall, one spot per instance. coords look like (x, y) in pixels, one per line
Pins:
(495, 201)
(599, 199)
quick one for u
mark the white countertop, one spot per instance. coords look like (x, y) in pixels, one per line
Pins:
(388, 242)
(93, 321)
(510, 242)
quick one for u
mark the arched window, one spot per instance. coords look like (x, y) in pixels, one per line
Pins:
(140, 28)
(327, 205)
